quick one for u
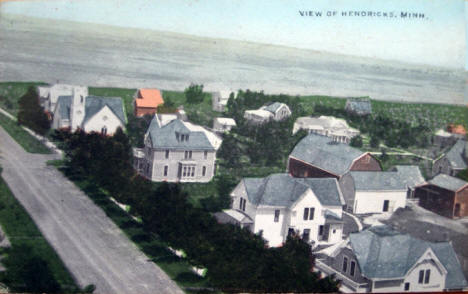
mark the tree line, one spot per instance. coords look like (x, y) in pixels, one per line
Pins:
(235, 258)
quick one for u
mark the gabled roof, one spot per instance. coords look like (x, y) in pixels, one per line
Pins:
(164, 136)
(447, 182)
(225, 121)
(399, 178)
(409, 174)
(149, 98)
(64, 104)
(94, 104)
(323, 153)
(273, 107)
(284, 190)
(377, 181)
(455, 155)
(384, 253)
(359, 105)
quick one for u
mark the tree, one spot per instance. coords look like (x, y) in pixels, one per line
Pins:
(194, 94)
(356, 141)
(374, 141)
(31, 114)
(230, 150)
(27, 272)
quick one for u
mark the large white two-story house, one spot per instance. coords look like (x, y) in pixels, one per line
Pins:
(275, 111)
(380, 259)
(279, 205)
(177, 151)
(89, 113)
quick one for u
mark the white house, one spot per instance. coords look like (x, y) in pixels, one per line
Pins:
(89, 113)
(279, 205)
(220, 100)
(380, 259)
(383, 191)
(223, 124)
(335, 128)
(177, 151)
(274, 111)
(49, 95)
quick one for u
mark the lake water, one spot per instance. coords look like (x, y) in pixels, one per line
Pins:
(96, 55)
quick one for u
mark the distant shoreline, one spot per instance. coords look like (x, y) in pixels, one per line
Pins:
(108, 56)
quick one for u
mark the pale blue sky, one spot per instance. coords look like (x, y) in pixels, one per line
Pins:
(439, 39)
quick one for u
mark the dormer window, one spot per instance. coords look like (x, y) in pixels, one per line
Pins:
(182, 137)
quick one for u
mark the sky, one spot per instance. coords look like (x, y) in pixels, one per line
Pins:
(438, 38)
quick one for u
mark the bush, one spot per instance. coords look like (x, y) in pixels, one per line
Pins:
(356, 141)
(194, 94)
(31, 114)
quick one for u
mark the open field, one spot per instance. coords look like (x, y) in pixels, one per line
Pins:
(28, 142)
(10, 92)
(21, 230)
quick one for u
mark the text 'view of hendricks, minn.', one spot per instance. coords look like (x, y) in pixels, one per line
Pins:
(364, 13)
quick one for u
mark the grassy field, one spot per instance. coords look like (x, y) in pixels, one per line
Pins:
(436, 115)
(10, 92)
(28, 142)
(199, 113)
(21, 230)
(177, 269)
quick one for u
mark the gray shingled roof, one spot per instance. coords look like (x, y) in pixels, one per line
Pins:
(377, 181)
(399, 178)
(447, 182)
(94, 104)
(384, 253)
(455, 155)
(322, 152)
(274, 107)
(360, 105)
(64, 104)
(165, 136)
(284, 190)
(410, 174)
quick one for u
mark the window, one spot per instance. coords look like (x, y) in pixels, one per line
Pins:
(290, 232)
(204, 171)
(352, 268)
(188, 154)
(165, 170)
(421, 276)
(407, 286)
(385, 205)
(104, 130)
(277, 214)
(205, 155)
(306, 235)
(188, 171)
(345, 264)
(309, 213)
(427, 277)
(167, 154)
(320, 230)
(242, 204)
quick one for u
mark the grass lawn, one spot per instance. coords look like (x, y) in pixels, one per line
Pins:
(28, 142)
(156, 249)
(198, 113)
(10, 92)
(20, 229)
(308, 102)
(438, 116)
